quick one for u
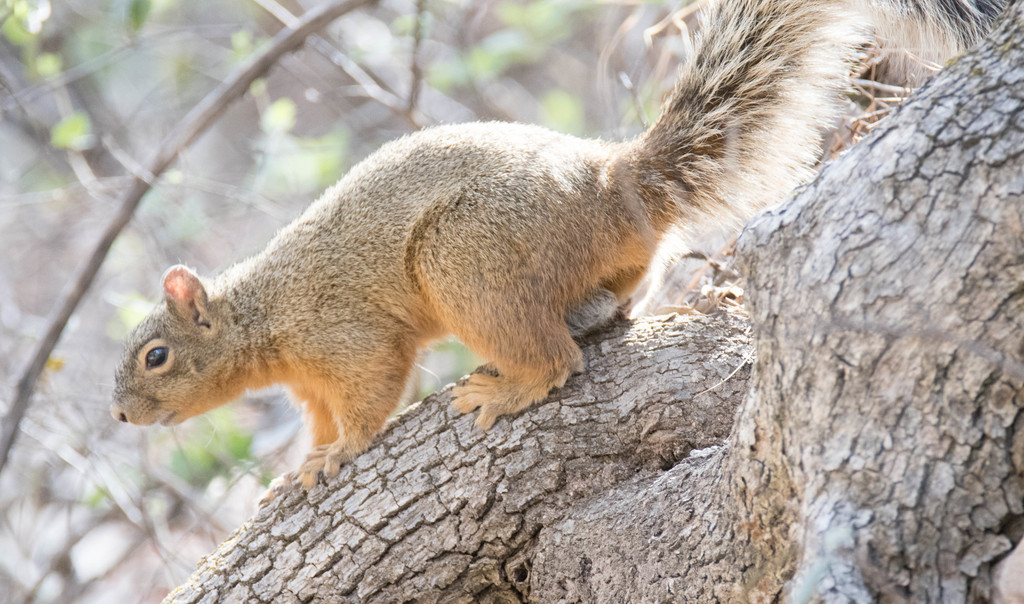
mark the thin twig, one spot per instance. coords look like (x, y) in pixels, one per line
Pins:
(416, 69)
(56, 561)
(369, 84)
(899, 91)
(747, 360)
(91, 66)
(197, 121)
(692, 285)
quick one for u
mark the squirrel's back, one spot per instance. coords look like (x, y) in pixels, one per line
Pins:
(408, 175)
(502, 189)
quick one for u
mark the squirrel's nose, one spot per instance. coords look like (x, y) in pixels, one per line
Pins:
(118, 414)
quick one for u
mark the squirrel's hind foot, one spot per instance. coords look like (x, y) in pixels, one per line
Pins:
(477, 393)
(502, 395)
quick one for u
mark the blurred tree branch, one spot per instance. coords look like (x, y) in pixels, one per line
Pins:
(372, 85)
(415, 68)
(197, 121)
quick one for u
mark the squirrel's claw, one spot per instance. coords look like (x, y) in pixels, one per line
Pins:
(474, 392)
(276, 487)
(485, 420)
(327, 458)
(478, 391)
(497, 395)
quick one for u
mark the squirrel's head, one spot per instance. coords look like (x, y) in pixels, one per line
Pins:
(177, 363)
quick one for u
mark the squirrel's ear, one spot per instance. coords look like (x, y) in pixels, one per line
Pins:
(186, 295)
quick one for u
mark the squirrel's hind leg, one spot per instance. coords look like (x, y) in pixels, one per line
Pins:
(530, 359)
(594, 312)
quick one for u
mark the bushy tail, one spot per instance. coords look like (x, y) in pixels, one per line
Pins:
(957, 23)
(913, 33)
(742, 126)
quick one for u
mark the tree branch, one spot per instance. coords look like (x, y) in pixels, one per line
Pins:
(415, 69)
(204, 114)
(437, 504)
(372, 85)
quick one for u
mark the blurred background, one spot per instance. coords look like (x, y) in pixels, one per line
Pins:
(95, 511)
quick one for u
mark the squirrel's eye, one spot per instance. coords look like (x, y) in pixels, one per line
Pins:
(156, 357)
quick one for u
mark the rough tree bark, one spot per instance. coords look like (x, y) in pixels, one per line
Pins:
(878, 455)
(888, 304)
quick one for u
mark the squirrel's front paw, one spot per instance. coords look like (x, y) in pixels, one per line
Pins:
(327, 458)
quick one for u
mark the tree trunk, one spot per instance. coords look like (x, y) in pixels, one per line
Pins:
(888, 304)
(878, 455)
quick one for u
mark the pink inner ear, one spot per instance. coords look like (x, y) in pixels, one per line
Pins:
(180, 284)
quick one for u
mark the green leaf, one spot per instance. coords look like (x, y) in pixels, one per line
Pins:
(138, 10)
(15, 31)
(512, 13)
(563, 112)
(404, 25)
(445, 75)
(499, 50)
(303, 165)
(241, 43)
(94, 497)
(212, 448)
(73, 132)
(48, 64)
(545, 20)
(132, 308)
(258, 87)
(279, 117)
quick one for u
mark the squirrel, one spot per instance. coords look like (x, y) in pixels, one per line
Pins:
(514, 238)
